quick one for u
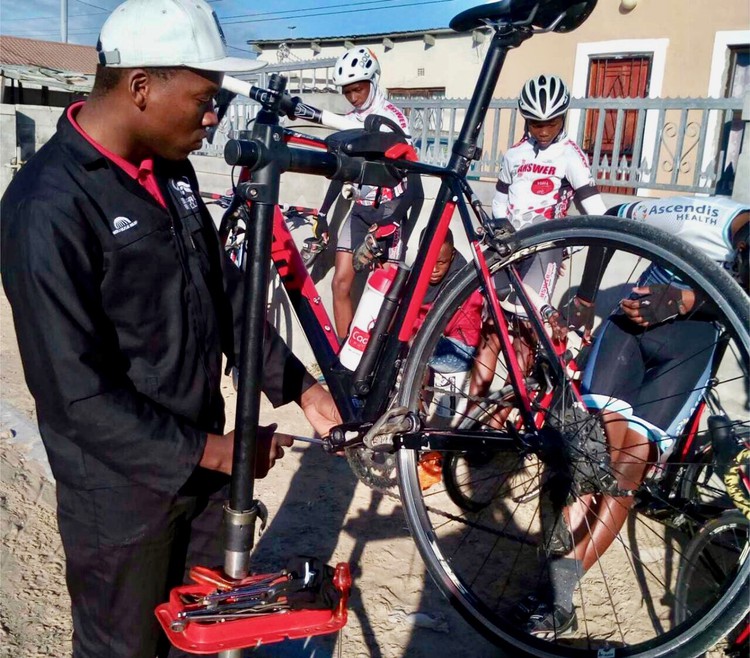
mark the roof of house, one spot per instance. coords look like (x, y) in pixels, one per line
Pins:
(47, 55)
(48, 63)
(354, 38)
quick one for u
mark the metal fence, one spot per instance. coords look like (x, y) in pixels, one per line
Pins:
(684, 144)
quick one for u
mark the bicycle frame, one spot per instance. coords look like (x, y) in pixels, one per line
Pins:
(267, 155)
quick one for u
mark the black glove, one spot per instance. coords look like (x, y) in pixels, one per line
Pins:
(654, 304)
(578, 315)
(374, 247)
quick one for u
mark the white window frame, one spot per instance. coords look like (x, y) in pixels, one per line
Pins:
(717, 80)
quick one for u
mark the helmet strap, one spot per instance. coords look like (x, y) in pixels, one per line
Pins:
(370, 97)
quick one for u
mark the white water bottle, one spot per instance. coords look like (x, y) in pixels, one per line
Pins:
(367, 311)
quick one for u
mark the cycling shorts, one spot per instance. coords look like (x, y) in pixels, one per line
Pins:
(654, 377)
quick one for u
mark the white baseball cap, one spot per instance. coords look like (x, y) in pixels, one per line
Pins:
(167, 33)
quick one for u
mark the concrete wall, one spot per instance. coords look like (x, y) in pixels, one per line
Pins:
(8, 153)
(27, 127)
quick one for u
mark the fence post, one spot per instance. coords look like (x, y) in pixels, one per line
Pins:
(741, 190)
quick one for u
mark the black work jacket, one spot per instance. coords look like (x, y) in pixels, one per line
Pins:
(122, 310)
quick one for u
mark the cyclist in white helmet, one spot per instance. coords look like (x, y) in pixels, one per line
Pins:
(377, 213)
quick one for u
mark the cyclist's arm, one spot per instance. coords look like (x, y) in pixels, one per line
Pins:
(320, 226)
(502, 187)
(591, 200)
(578, 172)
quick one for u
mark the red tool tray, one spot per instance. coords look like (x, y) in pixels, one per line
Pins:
(211, 637)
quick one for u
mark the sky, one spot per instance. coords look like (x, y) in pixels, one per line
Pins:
(242, 20)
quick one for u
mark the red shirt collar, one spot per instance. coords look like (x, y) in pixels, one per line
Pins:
(144, 173)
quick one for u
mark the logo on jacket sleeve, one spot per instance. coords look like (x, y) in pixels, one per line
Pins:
(121, 224)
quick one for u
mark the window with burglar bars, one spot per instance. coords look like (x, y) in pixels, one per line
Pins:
(738, 84)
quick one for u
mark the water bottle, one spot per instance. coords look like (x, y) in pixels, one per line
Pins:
(364, 319)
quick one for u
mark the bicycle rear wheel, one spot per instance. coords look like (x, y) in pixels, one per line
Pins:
(485, 546)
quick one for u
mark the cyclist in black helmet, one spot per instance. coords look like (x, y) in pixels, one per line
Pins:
(539, 177)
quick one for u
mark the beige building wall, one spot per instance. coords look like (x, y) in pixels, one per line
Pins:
(688, 39)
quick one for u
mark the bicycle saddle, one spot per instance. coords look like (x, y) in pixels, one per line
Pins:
(542, 14)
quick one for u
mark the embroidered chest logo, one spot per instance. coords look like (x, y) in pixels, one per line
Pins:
(121, 224)
(185, 194)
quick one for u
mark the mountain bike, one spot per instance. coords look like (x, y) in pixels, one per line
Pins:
(486, 554)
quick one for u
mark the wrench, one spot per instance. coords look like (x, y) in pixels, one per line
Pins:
(309, 439)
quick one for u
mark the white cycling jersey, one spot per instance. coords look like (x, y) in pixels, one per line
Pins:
(705, 223)
(539, 184)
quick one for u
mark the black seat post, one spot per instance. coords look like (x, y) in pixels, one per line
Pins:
(465, 147)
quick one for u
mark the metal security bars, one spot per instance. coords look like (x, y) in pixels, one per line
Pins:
(648, 143)
(680, 145)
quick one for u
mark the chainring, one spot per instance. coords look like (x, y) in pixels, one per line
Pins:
(375, 469)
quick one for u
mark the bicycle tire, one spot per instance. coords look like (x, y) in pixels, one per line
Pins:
(461, 545)
(710, 554)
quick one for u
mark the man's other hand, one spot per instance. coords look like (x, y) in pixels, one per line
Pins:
(320, 409)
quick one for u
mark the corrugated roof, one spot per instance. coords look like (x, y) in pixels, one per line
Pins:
(354, 38)
(48, 54)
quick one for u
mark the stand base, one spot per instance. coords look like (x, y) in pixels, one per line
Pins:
(207, 637)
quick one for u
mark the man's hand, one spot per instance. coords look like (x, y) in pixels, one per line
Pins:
(269, 447)
(219, 450)
(320, 409)
(657, 303)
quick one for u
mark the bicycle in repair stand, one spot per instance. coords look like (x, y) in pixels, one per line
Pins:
(515, 455)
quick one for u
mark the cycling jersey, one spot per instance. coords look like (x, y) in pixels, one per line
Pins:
(538, 184)
(380, 105)
(703, 222)
(657, 376)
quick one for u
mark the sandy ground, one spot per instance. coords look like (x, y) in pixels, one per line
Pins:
(316, 507)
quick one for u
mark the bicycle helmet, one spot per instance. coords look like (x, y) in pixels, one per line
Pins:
(544, 97)
(356, 65)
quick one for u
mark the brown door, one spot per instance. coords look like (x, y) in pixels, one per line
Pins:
(615, 77)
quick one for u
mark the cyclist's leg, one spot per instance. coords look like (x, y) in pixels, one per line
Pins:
(352, 232)
(679, 356)
(341, 285)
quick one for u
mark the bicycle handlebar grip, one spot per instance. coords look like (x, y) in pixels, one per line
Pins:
(237, 86)
(242, 152)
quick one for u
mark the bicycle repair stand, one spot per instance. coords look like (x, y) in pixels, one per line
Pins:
(228, 613)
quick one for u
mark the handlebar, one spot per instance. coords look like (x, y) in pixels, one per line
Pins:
(290, 106)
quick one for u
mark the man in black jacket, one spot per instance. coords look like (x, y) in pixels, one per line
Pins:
(123, 307)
